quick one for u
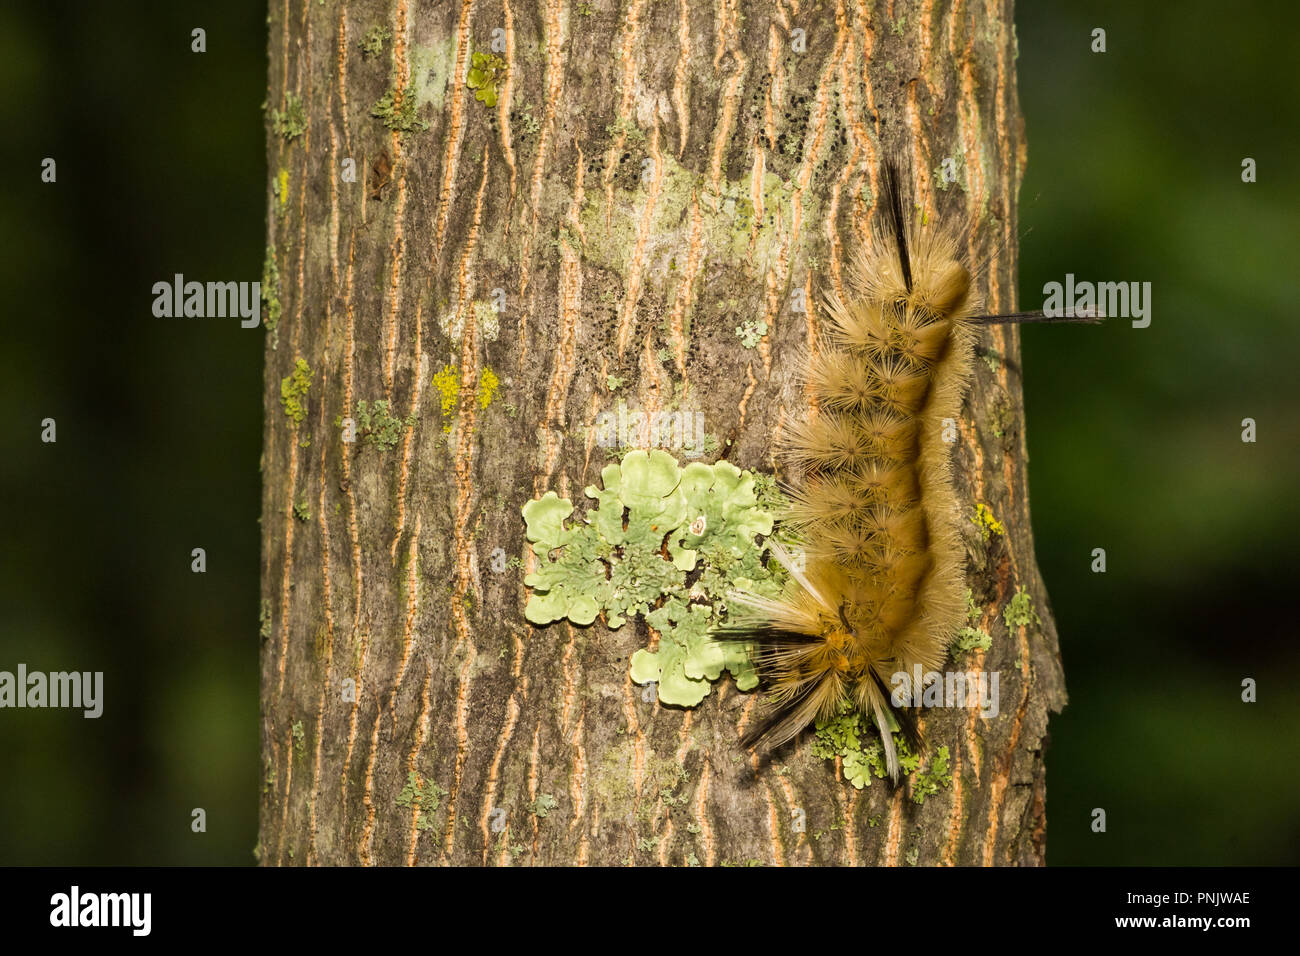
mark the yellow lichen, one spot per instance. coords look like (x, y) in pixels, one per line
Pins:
(447, 381)
(293, 391)
(488, 384)
(986, 522)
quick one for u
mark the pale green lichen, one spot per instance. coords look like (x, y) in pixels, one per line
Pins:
(377, 426)
(452, 324)
(422, 798)
(625, 128)
(656, 523)
(292, 121)
(751, 332)
(301, 510)
(299, 739)
(487, 320)
(1019, 611)
(270, 292)
(431, 67)
(543, 805)
(264, 619)
(951, 172)
(937, 775)
(527, 121)
(372, 43)
(971, 637)
(293, 391)
(843, 734)
(397, 109)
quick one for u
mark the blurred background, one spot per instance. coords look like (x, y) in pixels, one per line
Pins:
(1134, 434)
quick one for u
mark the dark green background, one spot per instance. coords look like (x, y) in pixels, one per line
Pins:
(1134, 434)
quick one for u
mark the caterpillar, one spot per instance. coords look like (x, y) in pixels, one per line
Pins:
(873, 509)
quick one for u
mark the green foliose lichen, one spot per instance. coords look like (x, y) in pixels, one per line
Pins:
(422, 796)
(397, 110)
(372, 43)
(486, 70)
(843, 734)
(293, 391)
(543, 805)
(655, 526)
(290, 122)
(1019, 611)
(751, 332)
(377, 426)
(971, 637)
(270, 292)
(937, 775)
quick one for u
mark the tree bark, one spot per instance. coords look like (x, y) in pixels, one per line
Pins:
(629, 182)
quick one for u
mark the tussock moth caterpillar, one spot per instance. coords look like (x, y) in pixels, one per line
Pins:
(874, 508)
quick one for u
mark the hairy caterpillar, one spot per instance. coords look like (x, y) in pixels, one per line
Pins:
(875, 511)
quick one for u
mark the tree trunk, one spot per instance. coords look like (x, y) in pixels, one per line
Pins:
(600, 207)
